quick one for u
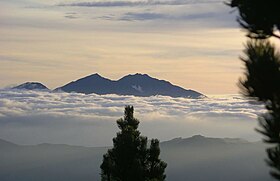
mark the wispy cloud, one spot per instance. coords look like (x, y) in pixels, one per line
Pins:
(143, 16)
(71, 15)
(137, 3)
(140, 16)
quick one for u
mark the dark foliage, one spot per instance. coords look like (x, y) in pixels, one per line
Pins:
(263, 82)
(260, 18)
(262, 78)
(263, 75)
(130, 159)
(155, 167)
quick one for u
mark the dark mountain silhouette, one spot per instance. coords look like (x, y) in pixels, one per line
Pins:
(91, 84)
(31, 86)
(137, 85)
(197, 158)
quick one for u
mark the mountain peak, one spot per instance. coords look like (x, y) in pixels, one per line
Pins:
(137, 84)
(141, 75)
(31, 86)
(95, 75)
(137, 75)
(200, 140)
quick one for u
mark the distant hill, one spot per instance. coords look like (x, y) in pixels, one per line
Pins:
(137, 85)
(7, 144)
(198, 140)
(31, 86)
(196, 159)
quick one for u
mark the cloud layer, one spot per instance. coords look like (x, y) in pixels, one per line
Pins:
(158, 10)
(120, 3)
(30, 117)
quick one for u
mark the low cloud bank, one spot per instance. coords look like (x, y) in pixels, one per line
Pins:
(31, 117)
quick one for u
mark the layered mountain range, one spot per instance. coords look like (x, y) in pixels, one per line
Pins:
(197, 158)
(136, 84)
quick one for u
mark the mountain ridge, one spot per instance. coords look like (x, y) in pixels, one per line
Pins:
(207, 162)
(175, 141)
(137, 84)
(199, 140)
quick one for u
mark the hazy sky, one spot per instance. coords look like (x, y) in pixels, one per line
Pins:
(191, 43)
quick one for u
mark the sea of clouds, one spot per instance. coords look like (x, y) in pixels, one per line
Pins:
(32, 117)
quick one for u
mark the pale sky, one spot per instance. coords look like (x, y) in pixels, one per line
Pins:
(193, 45)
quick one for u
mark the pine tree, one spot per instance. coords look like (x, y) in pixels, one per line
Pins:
(261, 19)
(156, 167)
(130, 159)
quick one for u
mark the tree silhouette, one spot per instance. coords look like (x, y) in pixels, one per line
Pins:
(260, 18)
(262, 78)
(130, 159)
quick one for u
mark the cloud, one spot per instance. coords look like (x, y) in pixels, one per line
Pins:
(192, 14)
(71, 16)
(31, 117)
(143, 16)
(180, 10)
(138, 3)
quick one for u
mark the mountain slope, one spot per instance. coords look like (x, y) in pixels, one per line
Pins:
(137, 85)
(31, 86)
(91, 84)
